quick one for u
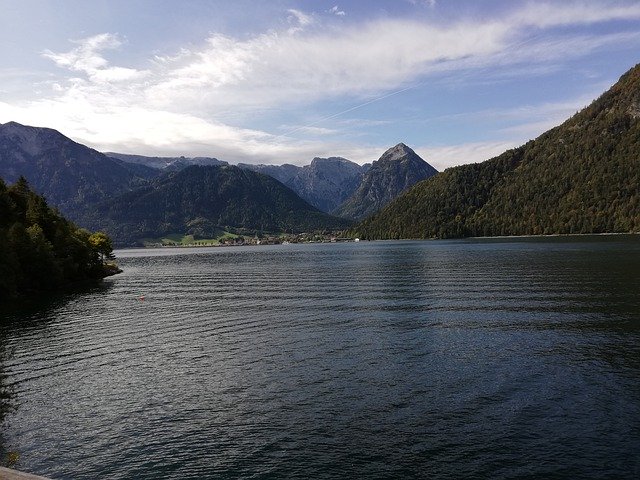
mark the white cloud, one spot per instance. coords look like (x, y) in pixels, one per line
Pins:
(310, 130)
(136, 130)
(426, 3)
(173, 104)
(445, 156)
(336, 11)
(86, 58)
(295, 66)
(298, 20)
(544, 15)
(281, 68)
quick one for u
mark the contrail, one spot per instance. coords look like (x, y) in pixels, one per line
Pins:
(377, 99)
(324, 119)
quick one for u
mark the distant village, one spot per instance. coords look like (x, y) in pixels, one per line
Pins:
(236, 241)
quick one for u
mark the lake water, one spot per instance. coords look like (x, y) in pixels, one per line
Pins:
(506, 358)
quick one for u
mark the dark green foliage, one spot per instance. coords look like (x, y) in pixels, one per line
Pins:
(202, 200)
(39, 249)
(101, 243)
(580, 177)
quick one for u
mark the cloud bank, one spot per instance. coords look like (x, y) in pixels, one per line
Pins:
(184, 102)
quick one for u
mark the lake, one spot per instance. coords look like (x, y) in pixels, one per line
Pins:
(501, 358)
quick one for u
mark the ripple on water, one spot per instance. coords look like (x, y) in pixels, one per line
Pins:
(496, 359)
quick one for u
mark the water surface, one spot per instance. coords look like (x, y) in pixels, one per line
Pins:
(507, 358)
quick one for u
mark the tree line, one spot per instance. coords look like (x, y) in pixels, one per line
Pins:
(580, 177)
(40, 250)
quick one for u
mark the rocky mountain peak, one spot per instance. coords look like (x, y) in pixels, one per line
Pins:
(30, 140)
(397, 169)
(319, 161)
(398, 152)
(66, 173)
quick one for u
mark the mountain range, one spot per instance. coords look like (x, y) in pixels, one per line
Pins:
(333, 185)
(580, 177)
(325, 183)
(134, 196)
(70, 175)
(165, 163)
(202, 200)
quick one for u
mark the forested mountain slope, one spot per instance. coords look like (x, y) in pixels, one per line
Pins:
(580, 177)
(201, 200)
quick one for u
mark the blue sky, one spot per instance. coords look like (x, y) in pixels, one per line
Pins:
(284, 81)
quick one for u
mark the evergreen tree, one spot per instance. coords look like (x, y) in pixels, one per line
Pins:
(39, 249)
(580, 177)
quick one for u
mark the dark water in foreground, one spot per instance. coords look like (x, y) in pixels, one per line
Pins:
(448, 359)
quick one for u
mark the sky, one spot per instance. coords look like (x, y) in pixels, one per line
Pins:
(284, 81)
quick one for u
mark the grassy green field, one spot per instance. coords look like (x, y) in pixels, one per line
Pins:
(181, 240)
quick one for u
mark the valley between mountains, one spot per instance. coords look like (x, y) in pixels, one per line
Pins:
(580, 177)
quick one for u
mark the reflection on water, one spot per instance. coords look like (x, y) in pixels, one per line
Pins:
(488, 358)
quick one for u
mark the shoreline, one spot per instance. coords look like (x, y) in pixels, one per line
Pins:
(495, 237)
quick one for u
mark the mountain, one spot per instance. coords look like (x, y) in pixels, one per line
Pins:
(580, 177)
(397, 169)
(68, 174)
(165, 163)
(325, 183)
(283, 173)
(132, 195)
(202, 200)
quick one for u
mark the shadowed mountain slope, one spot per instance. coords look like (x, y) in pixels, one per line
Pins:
(68, 174)
(397, 169)
(580, 177)
(202, 200)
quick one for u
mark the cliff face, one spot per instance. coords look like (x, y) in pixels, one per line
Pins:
(397, 169)
(327, 182)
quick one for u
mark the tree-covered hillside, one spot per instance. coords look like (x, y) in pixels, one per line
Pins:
(202, 200)
(580, 177)
(39, 249)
